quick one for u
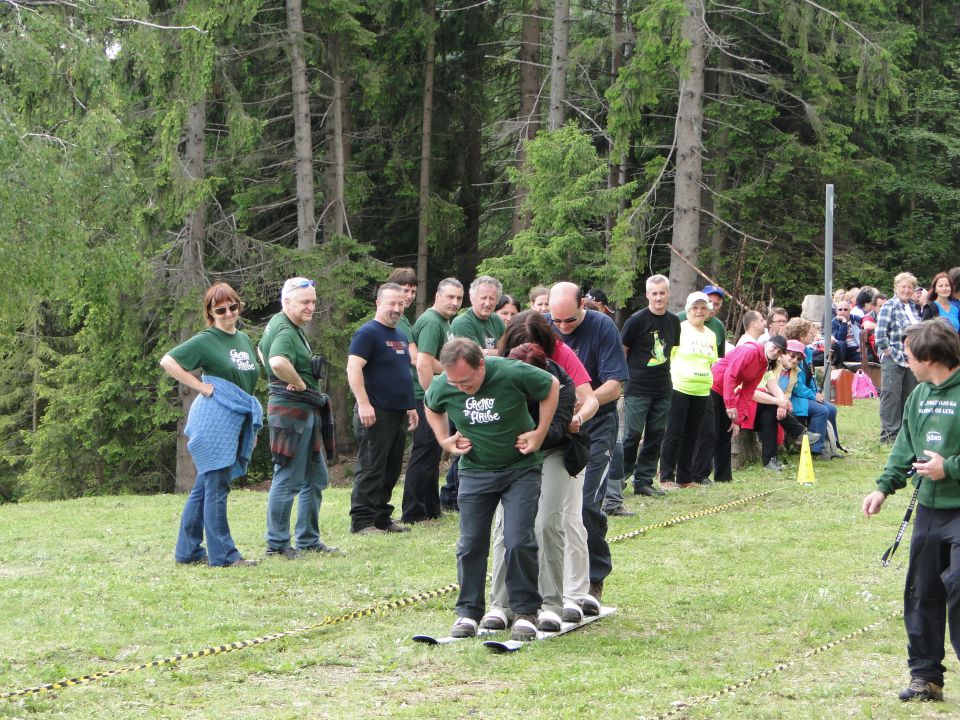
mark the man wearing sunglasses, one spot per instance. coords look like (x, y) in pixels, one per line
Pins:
(596, 341)
(295, 408)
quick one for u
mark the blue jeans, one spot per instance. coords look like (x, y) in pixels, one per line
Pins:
(206, 512)
(480, 493)
(819, 414)
(646, 417)
(305, 478)
(613, 497)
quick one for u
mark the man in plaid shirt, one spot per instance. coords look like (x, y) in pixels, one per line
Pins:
(896, 380)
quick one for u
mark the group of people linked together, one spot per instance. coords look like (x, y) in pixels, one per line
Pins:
(523, 401)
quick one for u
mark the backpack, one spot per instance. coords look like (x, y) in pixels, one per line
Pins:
(863, 386)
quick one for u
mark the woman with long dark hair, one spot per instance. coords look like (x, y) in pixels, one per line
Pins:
(561, 537)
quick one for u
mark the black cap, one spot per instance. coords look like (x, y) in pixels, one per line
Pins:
(599, 295)
(779, 341)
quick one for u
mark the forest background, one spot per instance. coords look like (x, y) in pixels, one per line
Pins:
(149, 148)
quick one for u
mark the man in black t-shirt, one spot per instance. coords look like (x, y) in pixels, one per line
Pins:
(648, 338)
(378, 370)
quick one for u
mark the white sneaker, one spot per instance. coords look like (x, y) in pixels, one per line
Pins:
(464, 627)
(572, 613)
(548, 621)
(524, 628)
(590, 605)
(495, 619)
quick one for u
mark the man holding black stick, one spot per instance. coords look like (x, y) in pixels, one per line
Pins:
(929, 442)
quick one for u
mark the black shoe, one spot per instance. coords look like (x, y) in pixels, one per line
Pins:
(920, 689)
(288, 552)
(242, 563)
(704, 481)
(619, 511)
(648, 491)
(395, 527)
(322, 549)
(596, 590)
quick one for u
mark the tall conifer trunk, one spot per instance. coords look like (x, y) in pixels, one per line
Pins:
(423, 229)
(191, 275)
(302, 135)
(686, 204)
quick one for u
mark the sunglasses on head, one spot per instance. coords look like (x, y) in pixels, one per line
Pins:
(233, 307)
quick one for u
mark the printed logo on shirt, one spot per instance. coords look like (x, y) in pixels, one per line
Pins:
(242, 360)
(479, 411)
(934, 437)
(490, 342)
(657, 357)
(398, 346)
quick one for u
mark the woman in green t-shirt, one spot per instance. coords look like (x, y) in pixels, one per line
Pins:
(227, 359)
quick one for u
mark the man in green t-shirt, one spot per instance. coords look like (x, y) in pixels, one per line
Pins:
(421, 492)
(299, 468)
(482, 325)
(498, 443)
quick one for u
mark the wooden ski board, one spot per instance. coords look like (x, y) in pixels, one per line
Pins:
(507, 646)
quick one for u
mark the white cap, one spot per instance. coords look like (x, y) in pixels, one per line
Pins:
(695, 297)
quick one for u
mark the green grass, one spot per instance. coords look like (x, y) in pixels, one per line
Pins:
(90, 585)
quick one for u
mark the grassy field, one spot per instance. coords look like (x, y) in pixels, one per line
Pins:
(90, 585)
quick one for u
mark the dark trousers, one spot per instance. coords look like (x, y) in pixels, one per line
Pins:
(722, 468)
(932, 593)
(421, 493)
(379, 461)
(765, 423)
(603, 435)
(646, 417)
(683, 428)
(704, 452)
(480, 493)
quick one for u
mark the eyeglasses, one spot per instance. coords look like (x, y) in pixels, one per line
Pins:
(233, 307)
(568, 321)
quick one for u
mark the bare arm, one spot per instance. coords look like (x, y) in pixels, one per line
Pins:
(586, 408)
(608, 392)
(355, 365)
(455, 444)
(425, 369)
(531, 441)
(284, 370)
(176, 371)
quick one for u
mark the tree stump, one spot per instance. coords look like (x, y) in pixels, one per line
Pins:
(744, 449)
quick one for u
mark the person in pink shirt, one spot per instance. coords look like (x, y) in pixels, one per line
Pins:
(735, 377)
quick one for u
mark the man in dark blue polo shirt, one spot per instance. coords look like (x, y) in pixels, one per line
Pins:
(596, 341)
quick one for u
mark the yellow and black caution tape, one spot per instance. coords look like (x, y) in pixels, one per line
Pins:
(681, 707)
(329, 621)
(220, 649)
(690, 516)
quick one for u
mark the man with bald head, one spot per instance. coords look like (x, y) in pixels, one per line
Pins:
(596, 341)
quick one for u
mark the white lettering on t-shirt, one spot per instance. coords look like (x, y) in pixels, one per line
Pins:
(939, 407)
(242, 360)
(479, 411)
